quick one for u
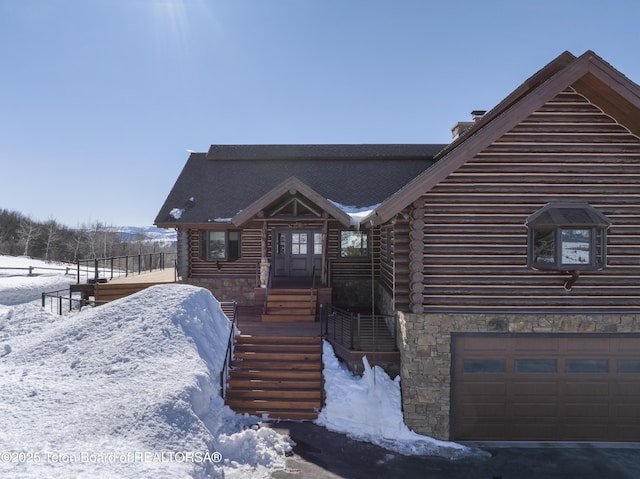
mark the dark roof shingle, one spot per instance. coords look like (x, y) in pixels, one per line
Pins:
(229, 178)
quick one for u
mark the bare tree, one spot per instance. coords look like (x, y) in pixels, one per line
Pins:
(27, 231)
(51, 231)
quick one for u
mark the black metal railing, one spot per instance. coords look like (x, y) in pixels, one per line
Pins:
(230, 309)
(97, 269)
(57, 300)
(321, 320)
(361, 332)
(313, 287)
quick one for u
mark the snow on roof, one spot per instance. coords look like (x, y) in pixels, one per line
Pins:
(357, 214)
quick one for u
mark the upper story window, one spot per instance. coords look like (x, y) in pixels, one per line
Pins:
(220, 245)
(354, 244)
(567, 237)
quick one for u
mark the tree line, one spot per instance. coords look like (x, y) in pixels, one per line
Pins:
(52, 241)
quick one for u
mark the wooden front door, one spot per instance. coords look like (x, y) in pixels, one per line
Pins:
(296, 252)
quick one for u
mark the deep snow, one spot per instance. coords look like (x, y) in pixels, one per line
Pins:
(130, 390)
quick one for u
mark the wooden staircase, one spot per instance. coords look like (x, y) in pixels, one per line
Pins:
(276, 376)
(288, 305)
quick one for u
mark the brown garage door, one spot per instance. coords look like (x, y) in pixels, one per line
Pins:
(556, 387)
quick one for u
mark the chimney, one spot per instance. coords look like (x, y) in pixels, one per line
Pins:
(462, 127)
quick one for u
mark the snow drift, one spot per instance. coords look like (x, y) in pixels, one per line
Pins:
(368, 408)
(128, 390)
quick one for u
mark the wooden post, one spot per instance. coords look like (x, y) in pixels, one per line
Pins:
(416, 251)
(263, 241)
(324, 280)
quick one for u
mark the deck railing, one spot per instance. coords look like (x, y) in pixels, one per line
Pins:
(62, 300)
(361, 332)
(97, 269)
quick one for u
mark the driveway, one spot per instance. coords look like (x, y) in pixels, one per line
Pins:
(321, 454)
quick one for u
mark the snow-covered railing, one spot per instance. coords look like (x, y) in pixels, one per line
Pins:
(97, 269)
(361, 332)
(230, 309)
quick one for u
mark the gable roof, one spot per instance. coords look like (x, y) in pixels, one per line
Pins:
(588, 74)
(220, 185)
(290, 186)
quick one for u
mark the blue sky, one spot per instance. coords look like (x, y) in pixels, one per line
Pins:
(101, 99)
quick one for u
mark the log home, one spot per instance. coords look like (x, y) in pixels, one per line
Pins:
(509, 257)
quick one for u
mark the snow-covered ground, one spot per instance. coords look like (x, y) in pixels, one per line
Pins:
(130, 390)
(18, 287)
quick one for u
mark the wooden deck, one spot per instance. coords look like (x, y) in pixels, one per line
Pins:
(167, 275)
(250, 323)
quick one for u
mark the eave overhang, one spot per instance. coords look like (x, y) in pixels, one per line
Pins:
(589, 74)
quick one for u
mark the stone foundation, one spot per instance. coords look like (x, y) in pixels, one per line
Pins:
(238, 289)
(425, 347)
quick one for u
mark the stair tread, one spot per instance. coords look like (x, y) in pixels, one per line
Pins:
(276, 347)
(276, 365)
(295, 375)
(240, 385)
(288, 318)
(277, 415)
(278, 376)
(296, 404)
(302, 356)
(311, 394)
(277, 339)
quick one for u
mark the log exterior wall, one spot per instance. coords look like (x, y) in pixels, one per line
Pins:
(475, 237)
(350, 278)
(476, 277)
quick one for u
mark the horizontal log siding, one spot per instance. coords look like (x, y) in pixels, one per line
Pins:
(475, 237)
(400, 256)
(386, 258)
(341, 268)
(245, 266)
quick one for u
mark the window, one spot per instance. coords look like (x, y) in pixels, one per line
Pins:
(629, 365)
(299, 243)
(220, 245)
(484, 366)
(317, 243)
(536, 366)
(567, 237)
(353, 244)
(587, 365)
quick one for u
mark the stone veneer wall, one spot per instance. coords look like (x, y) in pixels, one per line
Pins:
(351, 293)
(238, 289)
(425, 347)
(384, 300)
